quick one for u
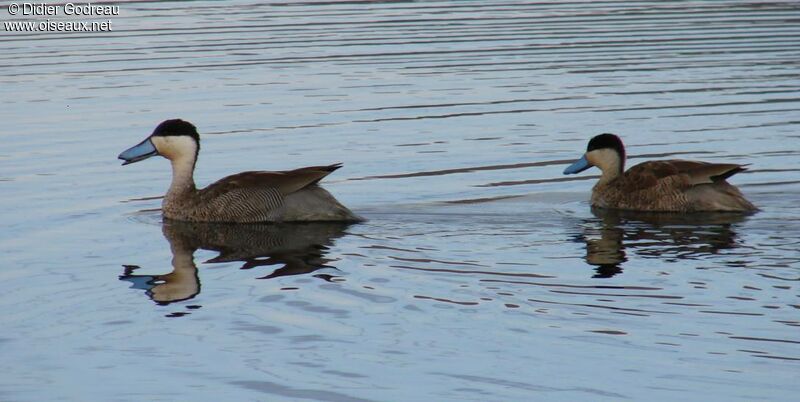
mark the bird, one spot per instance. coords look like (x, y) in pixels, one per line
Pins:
(247, 197)
(659, 186)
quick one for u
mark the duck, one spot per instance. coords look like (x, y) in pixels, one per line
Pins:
(681, 186)
(247, 197)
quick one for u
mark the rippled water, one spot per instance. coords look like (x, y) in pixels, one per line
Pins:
(482, 273)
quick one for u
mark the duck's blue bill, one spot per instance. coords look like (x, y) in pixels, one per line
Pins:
(142, 151)
(579, 166)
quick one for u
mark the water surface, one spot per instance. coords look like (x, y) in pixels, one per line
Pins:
(482, 272)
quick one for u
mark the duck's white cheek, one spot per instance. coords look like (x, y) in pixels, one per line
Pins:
(161, 145)
(173, 147)
(604, 158)
(595, 158)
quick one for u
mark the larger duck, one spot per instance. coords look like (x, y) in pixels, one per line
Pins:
(259, 196)
(659, 186)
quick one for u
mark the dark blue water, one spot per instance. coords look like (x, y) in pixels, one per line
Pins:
(482, 274)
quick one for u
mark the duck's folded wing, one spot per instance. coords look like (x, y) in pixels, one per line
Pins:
(257, 204)
(255, 196)
(681, 172)
(285, 182)
(647, 175)
(713, 172)
(293, 180)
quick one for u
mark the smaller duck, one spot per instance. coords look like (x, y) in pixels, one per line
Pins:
(659, 186)
(284, 196)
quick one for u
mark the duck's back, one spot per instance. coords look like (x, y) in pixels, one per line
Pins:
(261, 196)
(673, 186)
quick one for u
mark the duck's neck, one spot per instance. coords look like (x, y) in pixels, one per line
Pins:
(610, 174)
(182, 178)
(610, 162)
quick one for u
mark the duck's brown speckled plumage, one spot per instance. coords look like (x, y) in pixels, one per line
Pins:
(260, 197)
(660, 186)
(673, 186)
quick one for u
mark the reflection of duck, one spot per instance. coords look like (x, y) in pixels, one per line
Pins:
(666, 186)
(300, 248)
(607, 252)
(654, 234)
(245, 197)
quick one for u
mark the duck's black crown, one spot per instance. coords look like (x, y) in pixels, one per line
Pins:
(607, 140)
(176, 127)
